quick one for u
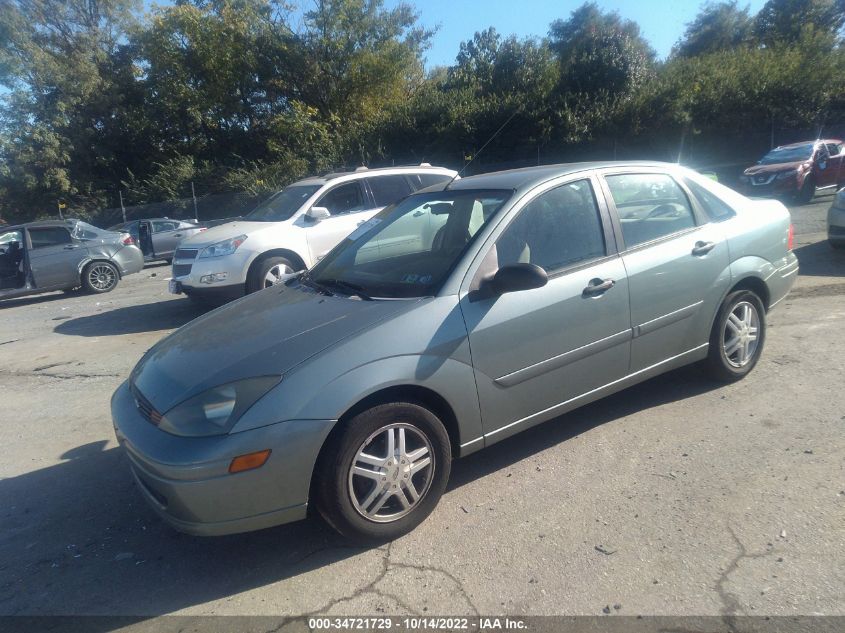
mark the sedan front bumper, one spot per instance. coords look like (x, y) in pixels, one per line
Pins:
(187, 482)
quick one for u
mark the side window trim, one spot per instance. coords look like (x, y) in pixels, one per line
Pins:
(699, 216)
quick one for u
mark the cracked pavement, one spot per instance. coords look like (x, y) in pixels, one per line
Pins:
(674, 497)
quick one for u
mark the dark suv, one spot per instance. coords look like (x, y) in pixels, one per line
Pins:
(797, 170)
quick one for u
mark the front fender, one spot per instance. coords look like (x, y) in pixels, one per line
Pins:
(451, 379)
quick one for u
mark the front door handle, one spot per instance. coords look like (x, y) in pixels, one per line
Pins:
(178, 235)
(598, 286)
(70, 247)
(702, 248)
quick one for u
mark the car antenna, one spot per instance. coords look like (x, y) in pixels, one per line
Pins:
(495, 134)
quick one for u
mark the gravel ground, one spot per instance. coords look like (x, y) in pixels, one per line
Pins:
(674, 497)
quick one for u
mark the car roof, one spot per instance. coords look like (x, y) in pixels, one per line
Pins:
(529, 177)
(813, 142)
(42, 223)
(364, 172)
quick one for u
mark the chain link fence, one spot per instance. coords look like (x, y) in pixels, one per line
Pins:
(723, 154)
(205, 209)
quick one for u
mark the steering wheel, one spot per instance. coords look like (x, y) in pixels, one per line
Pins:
(662, 210)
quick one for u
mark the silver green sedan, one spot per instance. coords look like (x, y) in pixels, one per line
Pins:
(453, 319)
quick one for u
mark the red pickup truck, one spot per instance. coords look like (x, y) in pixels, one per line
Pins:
(797, 170)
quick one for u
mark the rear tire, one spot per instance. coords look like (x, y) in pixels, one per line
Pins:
(267, 271)
(100, 277)
(737, 337)
(370, 490)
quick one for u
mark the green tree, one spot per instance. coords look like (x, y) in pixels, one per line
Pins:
(784, 21)
(67, 85)
(599, 52)
(718, 26)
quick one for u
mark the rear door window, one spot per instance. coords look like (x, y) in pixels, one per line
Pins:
(346, 198)
(49, 236)
(426, 180)
(388, 189)
(650, 206)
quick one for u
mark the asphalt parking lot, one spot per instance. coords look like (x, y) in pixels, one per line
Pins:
(674, 497)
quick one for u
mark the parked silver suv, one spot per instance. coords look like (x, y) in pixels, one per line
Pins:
(291, 231)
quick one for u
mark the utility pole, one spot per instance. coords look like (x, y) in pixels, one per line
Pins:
(122, 208)
(194, 196)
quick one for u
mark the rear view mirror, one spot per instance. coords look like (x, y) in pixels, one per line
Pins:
(315, 214)
(516, 277)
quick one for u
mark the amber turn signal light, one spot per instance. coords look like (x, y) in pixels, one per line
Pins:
(250, 461)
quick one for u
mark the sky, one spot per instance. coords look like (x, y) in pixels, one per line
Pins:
(662, 22)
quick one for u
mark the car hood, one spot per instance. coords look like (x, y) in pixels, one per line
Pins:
(267, 333)
(772, 169)
(225, 232)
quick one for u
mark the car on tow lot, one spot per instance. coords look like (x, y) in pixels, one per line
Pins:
(290, 231)
(836, 221)
(63, 255)
(451, 320)
(796, 171)
(158, 237)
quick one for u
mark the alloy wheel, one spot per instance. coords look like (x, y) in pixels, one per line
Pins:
(391, 473)
(741, 335)
(102, 277)
(274, 275)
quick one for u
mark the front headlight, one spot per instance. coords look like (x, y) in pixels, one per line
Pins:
(226, 247)
(787, 174)
(215, 411)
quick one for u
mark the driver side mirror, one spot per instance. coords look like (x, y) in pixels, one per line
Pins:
(315, 214)
(516, 277)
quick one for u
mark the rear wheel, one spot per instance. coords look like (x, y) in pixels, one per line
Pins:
(269, 272)
(99, 277)
(737, 337)
(384, 474)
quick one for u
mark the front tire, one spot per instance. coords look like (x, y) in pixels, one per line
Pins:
(268, 272)
(737, 337)
(100, 277)
(384, 473)
(807, 191)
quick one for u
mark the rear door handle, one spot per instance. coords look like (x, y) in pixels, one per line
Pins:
(598, 286)
(702, 248)
(178, 235)
(70, 247)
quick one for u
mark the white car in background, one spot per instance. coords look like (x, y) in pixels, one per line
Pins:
(290, 231)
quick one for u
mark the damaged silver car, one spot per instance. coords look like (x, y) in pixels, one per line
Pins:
(63, 255)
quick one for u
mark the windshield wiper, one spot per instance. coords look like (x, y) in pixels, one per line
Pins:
(347, 287)
(305, 278)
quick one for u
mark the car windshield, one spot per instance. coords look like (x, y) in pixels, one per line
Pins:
(788, 154)
(282, 205)
(408, 249)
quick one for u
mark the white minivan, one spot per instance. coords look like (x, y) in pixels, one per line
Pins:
(290, 231)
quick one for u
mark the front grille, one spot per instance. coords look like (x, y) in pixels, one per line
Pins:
(186, 253)
(146, 408)
(180, 270)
